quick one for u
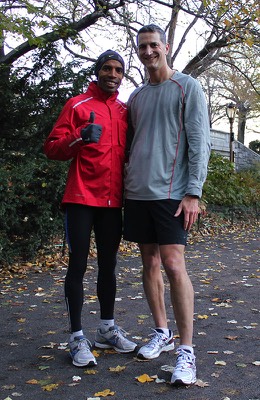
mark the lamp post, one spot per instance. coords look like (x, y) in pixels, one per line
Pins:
(231, 111)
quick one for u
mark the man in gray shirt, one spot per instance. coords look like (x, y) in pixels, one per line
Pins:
(169, 152)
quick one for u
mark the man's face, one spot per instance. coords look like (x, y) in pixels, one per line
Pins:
(152, 51)
(110, 76)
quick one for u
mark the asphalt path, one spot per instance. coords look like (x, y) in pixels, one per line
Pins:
(34, 330)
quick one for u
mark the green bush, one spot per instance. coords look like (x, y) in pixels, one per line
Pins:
(225, 187)
(30, 215)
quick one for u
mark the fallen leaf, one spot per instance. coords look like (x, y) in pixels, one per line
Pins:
(48, 358)
(157, 380)
(8, 387)
(228, 352)
(143, 316)
(167, 368)
(32, 382)
(93, 398)
(231, 337)
(43, 367)
(203, 316)
(90, 372)
(144, 378)
(200, 383)
(117, 369)
(106, 392)
(110, 351)
(21, 320)
(220, 363)
(50, 387)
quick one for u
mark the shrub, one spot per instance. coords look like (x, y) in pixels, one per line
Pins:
(225, 187)
(30, 195)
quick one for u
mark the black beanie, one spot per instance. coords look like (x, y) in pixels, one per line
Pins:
(108, 55)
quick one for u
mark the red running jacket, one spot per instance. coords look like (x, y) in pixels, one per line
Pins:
(95, 176)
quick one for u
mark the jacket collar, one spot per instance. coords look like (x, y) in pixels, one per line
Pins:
(95, 91)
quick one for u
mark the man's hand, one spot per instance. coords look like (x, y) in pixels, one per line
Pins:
(92, 132)
(190, 206)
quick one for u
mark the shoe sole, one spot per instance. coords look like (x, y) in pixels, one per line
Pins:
(179, 382)
(90, 364)
(109, 346)
(170, 347)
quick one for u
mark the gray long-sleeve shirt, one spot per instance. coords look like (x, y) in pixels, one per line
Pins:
(171, 144)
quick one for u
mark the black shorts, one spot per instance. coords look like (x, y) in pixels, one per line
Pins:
(153, 221)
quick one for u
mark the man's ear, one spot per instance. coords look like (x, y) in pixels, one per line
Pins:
(167, 47)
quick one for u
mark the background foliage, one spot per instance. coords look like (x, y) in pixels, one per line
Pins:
(31, 219)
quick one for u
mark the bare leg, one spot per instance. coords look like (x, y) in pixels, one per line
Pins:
(182, 294)
(153, 283)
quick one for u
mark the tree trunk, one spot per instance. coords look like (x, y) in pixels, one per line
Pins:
(241, 127)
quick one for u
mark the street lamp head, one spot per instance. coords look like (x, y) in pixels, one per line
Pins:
(231, 111)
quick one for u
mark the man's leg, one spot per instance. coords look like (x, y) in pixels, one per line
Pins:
(182, 294)
(108, 231)
(153, 283)
(182, 297)
(161, 338)
(78, 228)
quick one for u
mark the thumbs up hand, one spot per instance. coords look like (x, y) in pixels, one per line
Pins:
(92, 132)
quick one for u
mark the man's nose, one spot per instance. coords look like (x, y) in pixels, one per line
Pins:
(148, 50)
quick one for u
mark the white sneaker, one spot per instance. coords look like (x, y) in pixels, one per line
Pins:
(158, 344)
(115, 339)
(185, 370)
(80, 352)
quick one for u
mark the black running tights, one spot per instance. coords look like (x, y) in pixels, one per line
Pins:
(107, 226)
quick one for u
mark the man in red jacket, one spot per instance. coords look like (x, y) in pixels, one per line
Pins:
(91, 131)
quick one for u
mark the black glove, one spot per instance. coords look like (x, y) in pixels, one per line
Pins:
(92, 133)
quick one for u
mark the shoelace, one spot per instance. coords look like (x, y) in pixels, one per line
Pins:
(156, 338)
(119, 332)
(183, 359)
(84, 343)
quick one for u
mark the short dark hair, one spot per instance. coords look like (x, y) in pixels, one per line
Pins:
(152, 28)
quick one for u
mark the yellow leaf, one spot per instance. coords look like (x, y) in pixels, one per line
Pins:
(48, 358)
(110, 351)
(90, 372)
(32, 382)
(21, 320)
(49, 388)
(206, 281)
(95, 353)
(105, 393)
(203, 316)
(92, 297)
(117, 369)
(144, 378)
